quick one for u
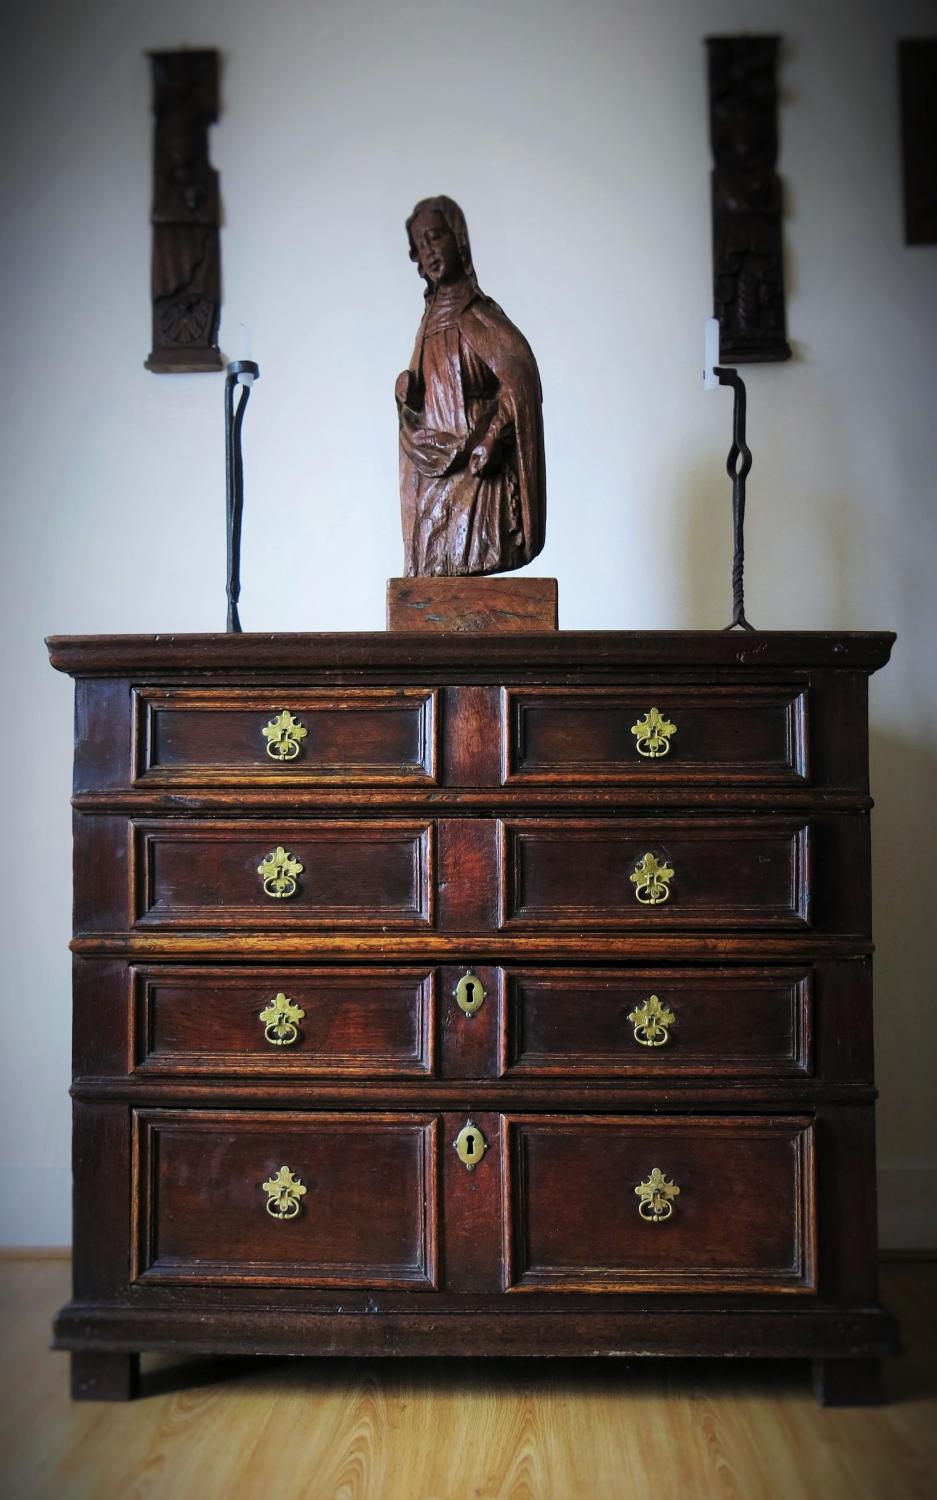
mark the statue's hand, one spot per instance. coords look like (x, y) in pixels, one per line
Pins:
(481, 461)
(403, 386)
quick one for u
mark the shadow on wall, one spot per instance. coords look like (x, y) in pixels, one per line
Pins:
(703, 512)
(824, 558)
(904, 880)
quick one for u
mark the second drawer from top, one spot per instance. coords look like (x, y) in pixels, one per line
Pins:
(450, 876)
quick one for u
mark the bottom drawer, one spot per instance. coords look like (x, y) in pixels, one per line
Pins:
(549, 1203)
(617, 1204)
(328, 1200)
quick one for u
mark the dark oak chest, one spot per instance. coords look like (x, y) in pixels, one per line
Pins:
(459, 995)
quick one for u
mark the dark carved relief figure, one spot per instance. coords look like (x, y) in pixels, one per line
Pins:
(186, 267)
(748, 267)
(472, 489)
(918, 73)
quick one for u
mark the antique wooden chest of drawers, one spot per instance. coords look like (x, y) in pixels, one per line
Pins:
(473, 995)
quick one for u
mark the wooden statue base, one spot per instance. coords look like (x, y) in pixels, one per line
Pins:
(469, 605)
(186, 361)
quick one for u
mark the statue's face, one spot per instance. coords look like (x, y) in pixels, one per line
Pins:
(436, 248)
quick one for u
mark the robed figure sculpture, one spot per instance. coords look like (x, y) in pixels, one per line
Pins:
(472, 490)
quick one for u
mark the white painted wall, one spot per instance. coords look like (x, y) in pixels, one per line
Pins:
(574, 135)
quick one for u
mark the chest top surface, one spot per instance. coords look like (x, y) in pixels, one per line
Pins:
(594, 652)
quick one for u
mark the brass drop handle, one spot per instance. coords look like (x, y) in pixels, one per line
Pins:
(652, 734)
(280, 1017)
(652, 1022)
(283, 1194)
(278, 871)
(656, 1193)
(284, 736)
(469, 994)
(651, 881)
(470, 1145)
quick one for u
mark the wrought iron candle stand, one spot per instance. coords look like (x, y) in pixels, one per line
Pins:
(242, 374)
(738, 466)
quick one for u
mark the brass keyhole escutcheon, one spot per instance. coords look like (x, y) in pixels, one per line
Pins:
(470, 994)
(470, 1146)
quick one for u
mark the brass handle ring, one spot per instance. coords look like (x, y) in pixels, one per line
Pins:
(652, 734)
(656, 1193)
(284, 735)
(652, 1022)
(650, 880)
(278, 872)
(283, 1194)
(280, 1019)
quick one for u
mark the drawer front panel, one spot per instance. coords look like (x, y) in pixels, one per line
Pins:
(358, 1023)
(368, 1215)
(568, 873)
(742, 1217)
(612, 1023)
(353, 874)
(570, 735)
(363, 736)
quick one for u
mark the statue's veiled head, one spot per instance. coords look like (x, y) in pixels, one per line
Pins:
(439, 241)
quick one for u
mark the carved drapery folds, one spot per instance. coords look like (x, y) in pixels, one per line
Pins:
(186, 265)
(748, 261)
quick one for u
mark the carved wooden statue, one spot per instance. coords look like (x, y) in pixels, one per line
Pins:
(472, 488)
(186, 267)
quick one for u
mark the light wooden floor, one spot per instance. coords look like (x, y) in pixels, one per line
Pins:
(449, 1430)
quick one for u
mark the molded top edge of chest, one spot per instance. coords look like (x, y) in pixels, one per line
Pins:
(596, 653)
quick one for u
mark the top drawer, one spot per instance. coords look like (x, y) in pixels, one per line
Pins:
(361, 736)
(654, 735)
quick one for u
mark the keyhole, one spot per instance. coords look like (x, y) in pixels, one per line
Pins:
(470, 1145)
(470, 994)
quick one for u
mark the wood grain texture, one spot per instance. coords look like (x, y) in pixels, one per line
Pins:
(743, 1220)
(561, 873)
(482, 810)
(372, 736)
(368, 1217)
(727, 1022)
(212, 1429)
(596, 653)
(574, 735)
(369, 874)
(472, 605)
(365, 1023)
